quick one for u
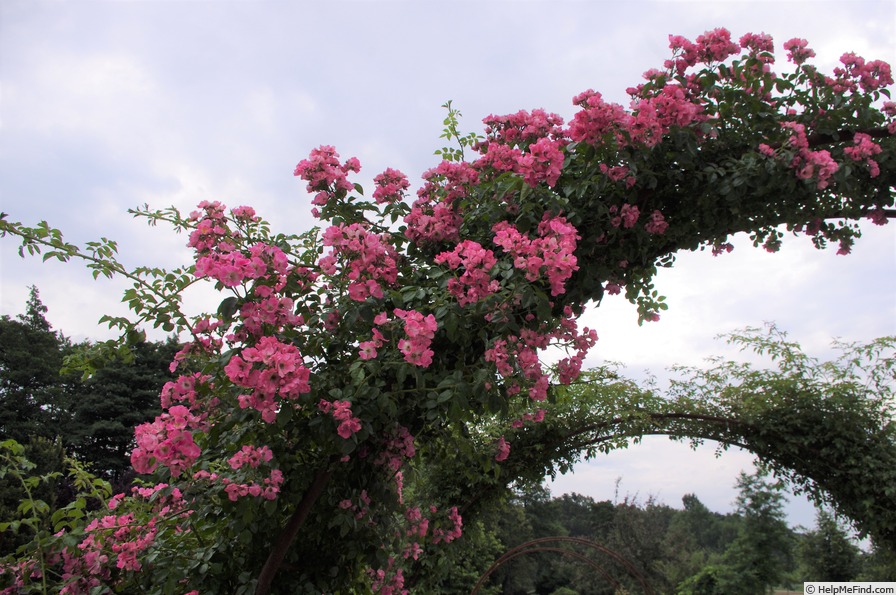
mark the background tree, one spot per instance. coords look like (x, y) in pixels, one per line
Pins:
(638, 534)
(515, 528)
(710, 530)
(32, 395)
(762, 550)
(827, 552)
(720, 556)
(713, 579)
(569, 515)
(697, 537)
(94, 416)
(107, 406)
(879, 564)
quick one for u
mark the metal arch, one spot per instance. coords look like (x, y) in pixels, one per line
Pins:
(526, 548)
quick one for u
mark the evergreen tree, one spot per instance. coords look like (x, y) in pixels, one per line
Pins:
(827, 554)
(762, 551)
(112, 402)
(95, 418)
(879, 564)
(31, 395)
(34, 312)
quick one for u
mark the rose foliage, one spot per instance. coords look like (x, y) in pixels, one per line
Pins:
(292, 450)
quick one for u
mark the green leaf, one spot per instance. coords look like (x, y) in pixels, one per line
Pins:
(228, 307)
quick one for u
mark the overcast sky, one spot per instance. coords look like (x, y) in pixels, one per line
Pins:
(108, 105)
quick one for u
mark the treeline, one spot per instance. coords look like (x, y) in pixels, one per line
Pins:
(616, 547)
(92, 418)
(56, 415)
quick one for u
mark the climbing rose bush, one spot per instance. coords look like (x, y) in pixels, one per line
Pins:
(292, 451)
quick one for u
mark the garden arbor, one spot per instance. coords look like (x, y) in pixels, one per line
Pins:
(347, 367)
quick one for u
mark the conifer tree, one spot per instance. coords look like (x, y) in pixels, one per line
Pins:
(827, 552)
(30, 360)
